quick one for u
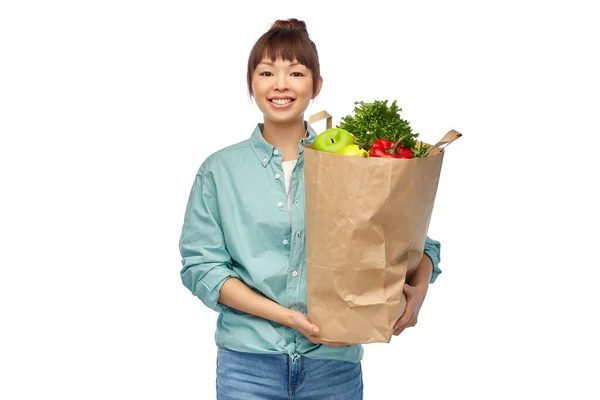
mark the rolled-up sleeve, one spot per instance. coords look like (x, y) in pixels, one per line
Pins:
(206, 262)
(432, 249)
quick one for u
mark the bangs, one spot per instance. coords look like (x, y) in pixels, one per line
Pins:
(288, 45)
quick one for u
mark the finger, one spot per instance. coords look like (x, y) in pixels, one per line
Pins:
(310, 329)
(332, 344)
(401, 328)
(403, 322)
(318, 340)
(303, 325)
(311, 336)
(406, 316)
(408, 310)
(398, 330)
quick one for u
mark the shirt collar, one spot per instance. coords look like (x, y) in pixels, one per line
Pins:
(265, 152)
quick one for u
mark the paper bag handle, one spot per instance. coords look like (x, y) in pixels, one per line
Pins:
(320, 116)
(448, 138)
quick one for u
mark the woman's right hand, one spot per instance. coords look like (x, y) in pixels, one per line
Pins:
(300, 323)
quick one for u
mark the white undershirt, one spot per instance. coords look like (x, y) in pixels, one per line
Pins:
(288, 167)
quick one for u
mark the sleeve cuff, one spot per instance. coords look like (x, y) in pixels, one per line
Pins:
(432, 250)
(209, 286)
(212, 299)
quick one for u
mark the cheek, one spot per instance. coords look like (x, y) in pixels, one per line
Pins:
(309, 90)
(309, 93)
(257, 86)
(255, 89)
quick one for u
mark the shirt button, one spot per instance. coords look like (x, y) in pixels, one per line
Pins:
(264, 160)
(277, 176)
(285, 241)
(275, 151)
(280, 204)
(294, 274)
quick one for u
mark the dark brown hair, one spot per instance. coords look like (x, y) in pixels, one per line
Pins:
(289, 41)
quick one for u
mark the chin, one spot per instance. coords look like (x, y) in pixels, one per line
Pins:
(283, 118)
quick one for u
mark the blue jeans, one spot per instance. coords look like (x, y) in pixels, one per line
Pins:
(247, 376)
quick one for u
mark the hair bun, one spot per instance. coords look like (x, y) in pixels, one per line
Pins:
(291, 23)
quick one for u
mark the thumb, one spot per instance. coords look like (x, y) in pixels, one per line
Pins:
(311, 328)
(306, 326)
(408, 290)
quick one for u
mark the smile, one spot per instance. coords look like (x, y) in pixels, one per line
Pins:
(281, 102)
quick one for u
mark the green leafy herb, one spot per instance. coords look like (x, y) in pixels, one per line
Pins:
(377, 120)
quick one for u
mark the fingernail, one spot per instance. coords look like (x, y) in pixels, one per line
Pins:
(315, 330)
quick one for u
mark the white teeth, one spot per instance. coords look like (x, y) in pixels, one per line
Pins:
(281, 101)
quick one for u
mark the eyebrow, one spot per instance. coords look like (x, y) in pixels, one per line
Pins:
(272, 64)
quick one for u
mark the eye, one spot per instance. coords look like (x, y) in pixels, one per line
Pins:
(266, 73)
(297, 74)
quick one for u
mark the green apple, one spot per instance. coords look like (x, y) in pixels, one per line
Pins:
(353, 150)
(332, 140)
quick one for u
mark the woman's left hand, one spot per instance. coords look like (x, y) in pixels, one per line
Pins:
(415, 296)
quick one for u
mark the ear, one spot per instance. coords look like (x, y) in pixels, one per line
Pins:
(319, 85)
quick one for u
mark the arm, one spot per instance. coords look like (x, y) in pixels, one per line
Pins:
(428, 269)
(236, 294)
(433, 251)
(423, 274)
(416, 287)
(206, 263)
(207, 271)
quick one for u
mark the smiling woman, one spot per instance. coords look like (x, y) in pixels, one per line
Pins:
(288, 41)
(282, 90)
(249, 264)
(283, 76)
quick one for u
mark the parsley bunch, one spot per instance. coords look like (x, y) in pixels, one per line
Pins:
(377, 120)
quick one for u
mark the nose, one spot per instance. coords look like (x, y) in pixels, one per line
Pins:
(281, 82)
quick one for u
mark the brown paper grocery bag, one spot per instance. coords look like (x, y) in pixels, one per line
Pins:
(366, 222)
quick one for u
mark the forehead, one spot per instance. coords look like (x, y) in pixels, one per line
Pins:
(279, 62)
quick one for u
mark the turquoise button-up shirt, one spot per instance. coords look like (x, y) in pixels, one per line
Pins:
(236, 225)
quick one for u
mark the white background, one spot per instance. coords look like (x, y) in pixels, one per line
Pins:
(108, 108)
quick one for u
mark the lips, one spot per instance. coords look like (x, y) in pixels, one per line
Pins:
(281, 101)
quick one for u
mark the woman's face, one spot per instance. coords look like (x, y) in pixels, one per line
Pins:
(282, 89)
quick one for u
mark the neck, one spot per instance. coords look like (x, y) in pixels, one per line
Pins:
(285, 136)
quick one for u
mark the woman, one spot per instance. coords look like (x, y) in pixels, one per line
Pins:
(242, 242)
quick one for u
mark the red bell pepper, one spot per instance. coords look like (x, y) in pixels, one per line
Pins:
(387, 149)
